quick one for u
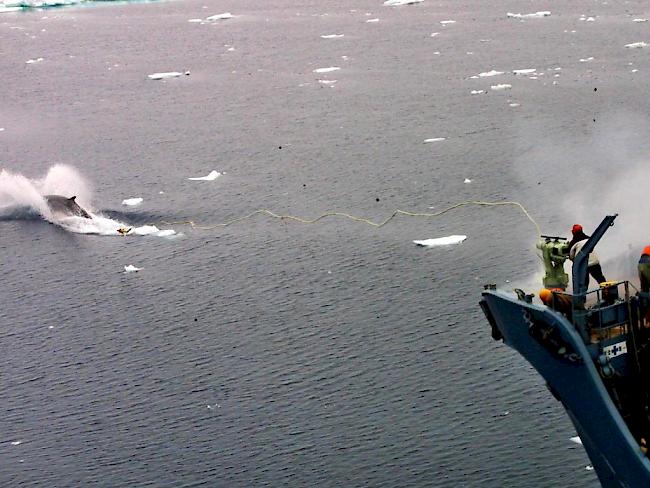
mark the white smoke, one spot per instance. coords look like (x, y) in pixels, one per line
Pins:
(606, 172)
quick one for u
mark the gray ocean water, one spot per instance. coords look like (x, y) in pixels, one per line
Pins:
(276, 353)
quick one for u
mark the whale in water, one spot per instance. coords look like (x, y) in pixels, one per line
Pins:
(66, 206)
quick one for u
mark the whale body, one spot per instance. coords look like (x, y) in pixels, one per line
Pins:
(66, 206)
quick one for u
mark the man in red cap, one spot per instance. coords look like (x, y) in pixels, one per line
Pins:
(593, 266)
(644, 269)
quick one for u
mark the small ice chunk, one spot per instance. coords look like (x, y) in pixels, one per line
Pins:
(326, 70)
(639, 20)
(16, 443)
(493, 72)
(636, 45)
(394, 3)
(477, 92)
(170, 74)
(589, 467)
(434, 34)
(513, 104)
(32, 61)
(369, 21)
(434, 139)
(586, 60)
(501, 87)
(526, 71)
(576, 439)
(441, 241)
(51, 327)
(536, 15)
(634, 71)
(445, 22)
(212, 176)
(331, 36)
(132, 201)
(223, 16)
(131, 269)
(467, 180)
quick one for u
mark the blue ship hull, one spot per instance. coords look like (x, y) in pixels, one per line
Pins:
(605, 405)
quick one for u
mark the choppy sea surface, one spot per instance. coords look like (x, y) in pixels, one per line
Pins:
(271, 352)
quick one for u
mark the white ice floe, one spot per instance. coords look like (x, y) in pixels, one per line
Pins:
(169, 74)
(152, 230)
(576, 439)
(441, 241)
(445, 22)
(132, 201)
(526, 71)
(326, 70)
(536, 15)
(370, 21)
(487, 74)
(331, 36)
(32, 61)
(212, 176)
(435, 139)
(223, 16)
(477, 92)
(467, 180)
(394, 3)
(131, 269)
(639, 20)
(501, 87)
(636, 45)
(327, 82)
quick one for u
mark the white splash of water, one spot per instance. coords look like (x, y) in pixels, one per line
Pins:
(20, 195)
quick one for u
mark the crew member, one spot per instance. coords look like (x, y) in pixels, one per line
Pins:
(562, 303)
(593, 266)
(644, 269)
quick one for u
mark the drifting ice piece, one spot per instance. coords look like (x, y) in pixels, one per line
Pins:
(212, 176)
(441, 241)
(223, 16)
(490, 73)
(536, 15)
(523, 71)
(132, 201)
(393, 3)
(327, 70)
(163, 76)
(131, 269)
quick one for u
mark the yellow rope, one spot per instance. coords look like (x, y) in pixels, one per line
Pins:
(352, 217)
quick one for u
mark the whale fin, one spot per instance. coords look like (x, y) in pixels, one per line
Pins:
(72, 198)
